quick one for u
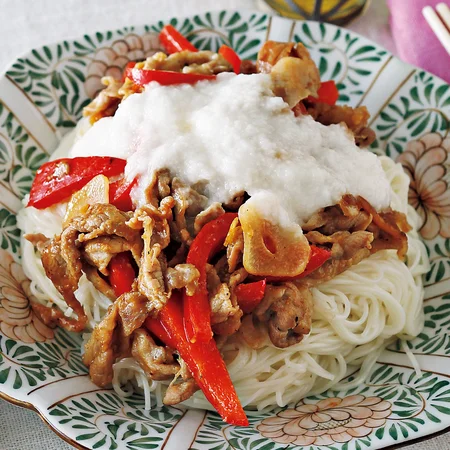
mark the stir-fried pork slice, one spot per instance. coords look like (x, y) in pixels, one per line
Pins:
(253, 331)
(228, 306)
(389, 227)
(153, 264)
(356, 119)
(333, 268)
(188, 204)
(104, 219)
(184, 371)
(106, 344)
(100, 234)
(343, 243)
(157, 362)
(182, 276)
(347, 250)
(159, 187)
(342, 217)
(111, 340)
(219, 297)
(207, 215)
(179, 392)
(287, 309)
(189, 212)
(225, 312)
(132, 310)
(106, 102)
(99, 283)
(52, 316)
(151, 278)
(99, 251)
(159, 218)
(65, 275)
(230, 326)
(70, 253)
(201, 62)
(294, 74)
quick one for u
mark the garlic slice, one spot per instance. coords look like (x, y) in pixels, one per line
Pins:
(270, 249)
(96, 191)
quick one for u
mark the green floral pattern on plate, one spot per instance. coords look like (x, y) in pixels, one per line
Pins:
(342, 56)
(43, 367)
(28, 365)
(401, 401)
(105, 420)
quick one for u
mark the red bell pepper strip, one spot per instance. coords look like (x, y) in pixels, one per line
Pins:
(142, 77)
(203, 360)
(250, 294)
(174, 41)
(59, 179)
(129, 65)
(197, 311)
(327, 93)
(121, 273)
(317, 258)
(232, 57)
(119, 194)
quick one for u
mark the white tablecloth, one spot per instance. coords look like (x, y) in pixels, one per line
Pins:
(25, 24)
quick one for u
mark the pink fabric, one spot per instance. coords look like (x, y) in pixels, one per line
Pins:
(415, 41)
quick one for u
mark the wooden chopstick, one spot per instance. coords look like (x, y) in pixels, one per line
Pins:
(439, 23)
(444, 13)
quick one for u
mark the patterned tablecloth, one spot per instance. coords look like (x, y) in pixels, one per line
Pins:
(26, 24)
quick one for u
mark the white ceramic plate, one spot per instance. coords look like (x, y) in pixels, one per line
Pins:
(42, 96)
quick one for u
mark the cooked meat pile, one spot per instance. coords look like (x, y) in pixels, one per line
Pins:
(159, 235)
(107, 100)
